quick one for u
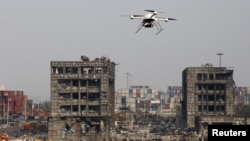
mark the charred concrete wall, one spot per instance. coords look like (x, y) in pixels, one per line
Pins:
(207, 91)
(82, 99)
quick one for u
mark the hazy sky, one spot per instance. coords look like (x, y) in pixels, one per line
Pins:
(35, 32)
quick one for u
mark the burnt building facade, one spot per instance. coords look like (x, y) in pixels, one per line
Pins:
(12, 104)
(82, 99)
(208, 95)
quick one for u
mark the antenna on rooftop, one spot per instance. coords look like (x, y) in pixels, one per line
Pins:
(220, 57)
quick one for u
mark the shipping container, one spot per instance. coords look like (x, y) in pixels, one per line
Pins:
(246, 102)
(156, 91)
(167, 106)
(130, 91)
(133, 105)
(143, 90)
(154, 108)
(248, 90)
(142, 95)
(138, 95)
(124, 91)
(21, 118)
(130, 100)
(246, 97)
(134, 91)
(138, 91)
(134, 95)
(130, 95)
(149, 91)
(172, 105)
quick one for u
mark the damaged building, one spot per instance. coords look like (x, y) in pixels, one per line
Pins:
(82, 99)
(208, 96)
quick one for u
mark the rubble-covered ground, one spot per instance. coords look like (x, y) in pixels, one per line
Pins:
(156, 130)
(17, 133)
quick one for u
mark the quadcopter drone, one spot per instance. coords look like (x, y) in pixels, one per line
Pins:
(150, 20)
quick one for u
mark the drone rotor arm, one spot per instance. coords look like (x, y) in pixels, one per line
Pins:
(162, 19)
(165, 19)
(136, 16)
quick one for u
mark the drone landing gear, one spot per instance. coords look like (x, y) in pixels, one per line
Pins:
(159, 31)
(159, 28)
(139, 28)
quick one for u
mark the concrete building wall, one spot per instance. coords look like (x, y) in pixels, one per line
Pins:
(82, 99)
(207, 91)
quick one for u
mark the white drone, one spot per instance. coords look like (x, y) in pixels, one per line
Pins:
(150, 20)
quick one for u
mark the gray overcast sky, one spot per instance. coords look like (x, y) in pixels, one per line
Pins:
(33, 33)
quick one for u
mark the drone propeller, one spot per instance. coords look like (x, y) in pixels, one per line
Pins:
(150, 10)
(153, 11)
(125, 15)
(132, 15)
(171, 19)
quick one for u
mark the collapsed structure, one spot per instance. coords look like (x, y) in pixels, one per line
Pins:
(82, 99)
